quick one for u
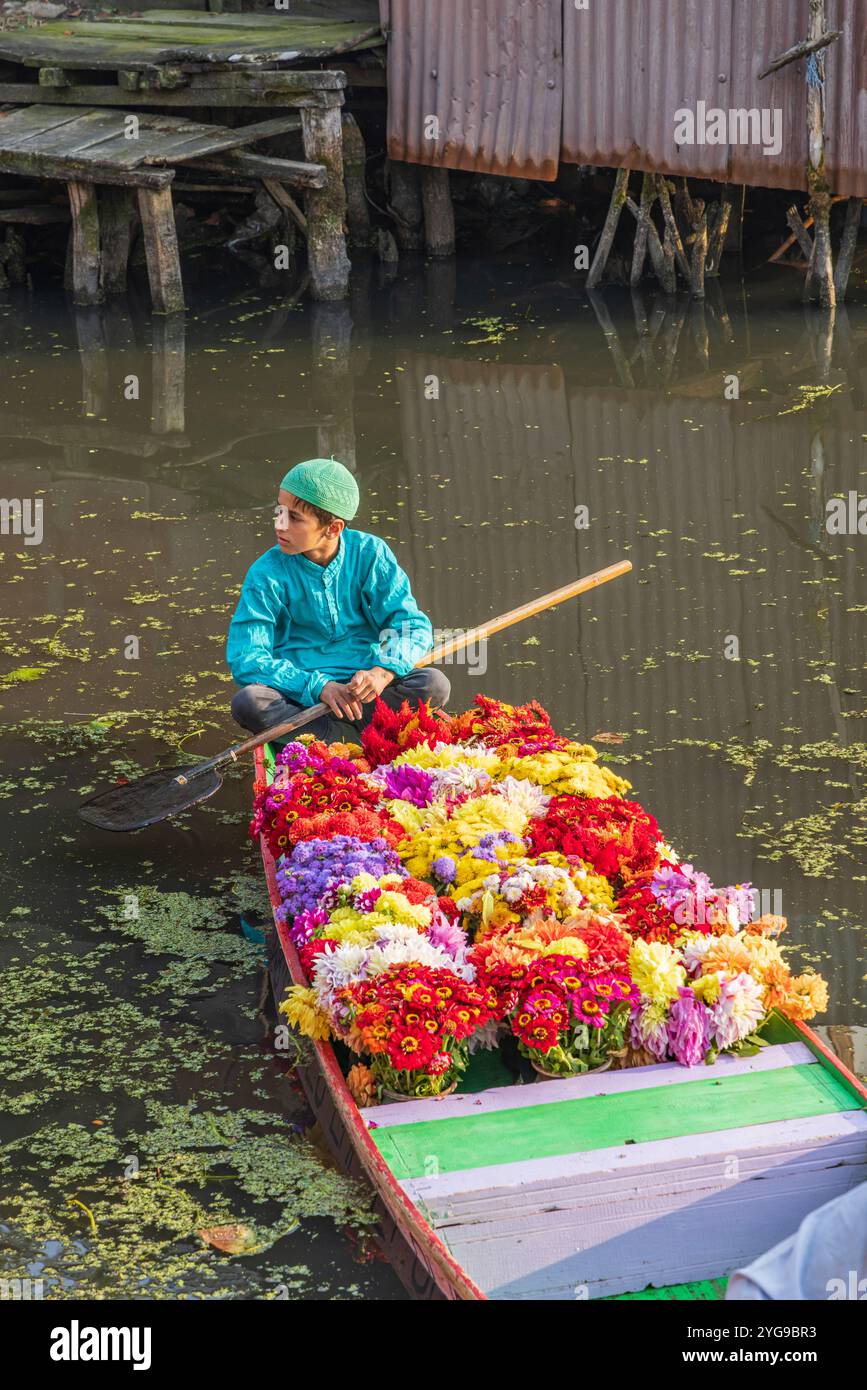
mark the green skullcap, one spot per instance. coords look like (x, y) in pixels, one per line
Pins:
(324, 483)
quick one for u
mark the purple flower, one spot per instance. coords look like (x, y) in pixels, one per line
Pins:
(315, 866)
(445, 868)
(407, 783)
(448, 935)
(366, 900)
(304, 925)
(688, 1029)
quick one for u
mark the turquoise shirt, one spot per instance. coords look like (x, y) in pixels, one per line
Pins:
(299, 625)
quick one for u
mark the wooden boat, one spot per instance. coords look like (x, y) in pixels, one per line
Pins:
(654, 1182)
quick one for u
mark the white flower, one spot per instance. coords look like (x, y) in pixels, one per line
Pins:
(524, 794)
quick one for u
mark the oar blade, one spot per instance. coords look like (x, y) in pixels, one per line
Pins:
(149, 799)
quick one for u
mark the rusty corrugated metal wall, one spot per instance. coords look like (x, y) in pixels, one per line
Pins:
(630, 64)
(520, 86)
(491, 75)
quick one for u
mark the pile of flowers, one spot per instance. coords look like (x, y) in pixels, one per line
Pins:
(478, 881)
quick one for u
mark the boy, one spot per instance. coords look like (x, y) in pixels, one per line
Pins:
(326, 614)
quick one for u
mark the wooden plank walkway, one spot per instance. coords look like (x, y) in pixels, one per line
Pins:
(190, 40)
(131, 151)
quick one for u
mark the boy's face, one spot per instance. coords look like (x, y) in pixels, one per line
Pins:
(297, 531)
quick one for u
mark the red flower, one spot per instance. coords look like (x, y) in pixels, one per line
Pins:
(410, 1049)
(393, 731)
(614, 836)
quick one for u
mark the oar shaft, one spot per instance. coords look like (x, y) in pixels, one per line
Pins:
(526, 610)
(454, 644)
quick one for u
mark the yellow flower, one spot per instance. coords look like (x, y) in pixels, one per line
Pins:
(655, 969)
(573, 769)
(566, 946)
(301, 1011)
(706, 988)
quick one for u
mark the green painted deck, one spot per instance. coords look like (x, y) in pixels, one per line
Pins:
(704, 1290)
(609, 1121)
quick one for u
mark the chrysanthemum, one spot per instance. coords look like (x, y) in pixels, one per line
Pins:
(738, 1011)
(656, 970)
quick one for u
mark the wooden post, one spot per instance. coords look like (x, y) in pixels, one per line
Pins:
(354, 176)
(161, 249)
(639, 248)
(439, 216)
(671, 227)
(603, 250)
(326, 207)
(116, 218)
(848, 242)
(822, 279)
(699, 248)
(404, 203)
(717, 235)
(86, 286)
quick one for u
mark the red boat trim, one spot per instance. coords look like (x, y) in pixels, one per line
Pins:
(451, 1279)
(830, 1059)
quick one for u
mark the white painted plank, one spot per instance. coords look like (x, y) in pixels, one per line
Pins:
(812, 1132)
(660, 1227)
(603, 1084)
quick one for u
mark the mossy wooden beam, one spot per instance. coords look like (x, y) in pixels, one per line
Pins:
(116, 216)
(161, 250)
(78, 170)
(263, 166)
(615, 207)
(326, 207)
(86, 279)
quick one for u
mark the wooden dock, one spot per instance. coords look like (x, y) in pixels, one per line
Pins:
(122, 76)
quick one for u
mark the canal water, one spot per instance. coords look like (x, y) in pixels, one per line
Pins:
(507, 435)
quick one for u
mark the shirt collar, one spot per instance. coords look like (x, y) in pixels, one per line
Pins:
(327, 573)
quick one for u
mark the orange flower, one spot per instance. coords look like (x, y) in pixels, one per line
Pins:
(362, 1085)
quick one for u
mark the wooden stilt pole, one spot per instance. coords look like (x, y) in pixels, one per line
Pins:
(822, 280)
(439, 217)
(86, 280)
(354, 177)
(116, 210)
(618, 198)
(404, 202)
(639, 249)
(326, 207)
(672, 229)
(717, 235)
(848, 242)
(699, 248)
(161, 249)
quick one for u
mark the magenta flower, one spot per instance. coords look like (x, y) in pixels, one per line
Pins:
(407, 783)
(688, 1029)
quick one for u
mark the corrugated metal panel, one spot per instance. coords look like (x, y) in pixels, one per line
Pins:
(489, 71)
(514, 86)
(631, 64)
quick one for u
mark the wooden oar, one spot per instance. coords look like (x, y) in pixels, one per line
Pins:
(167, 792)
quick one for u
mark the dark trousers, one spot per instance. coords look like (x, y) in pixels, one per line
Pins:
(259, 707)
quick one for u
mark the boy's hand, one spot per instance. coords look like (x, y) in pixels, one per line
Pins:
(367, 685)
(341, 700)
